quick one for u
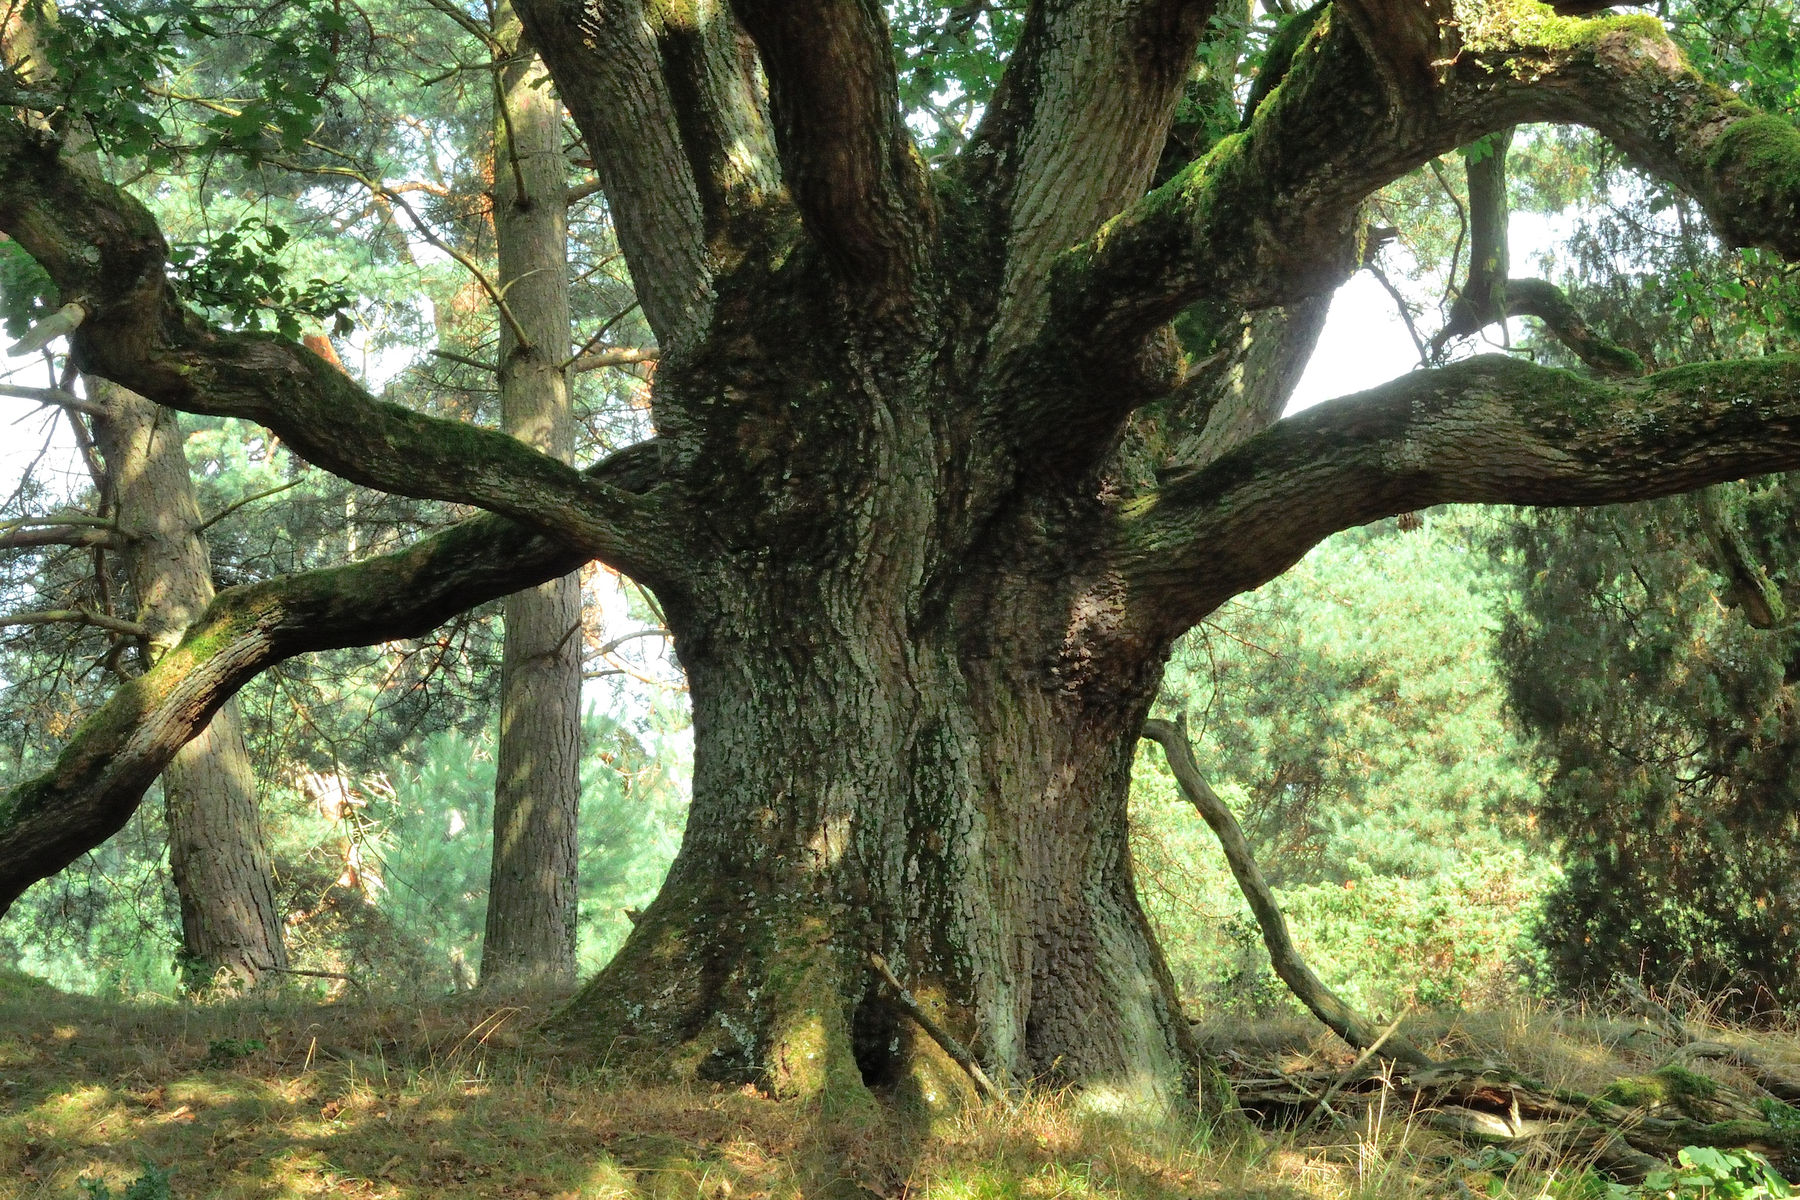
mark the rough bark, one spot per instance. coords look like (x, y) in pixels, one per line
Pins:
(224, 879)
(532, 887)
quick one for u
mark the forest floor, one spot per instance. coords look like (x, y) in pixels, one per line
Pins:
(457, 1098)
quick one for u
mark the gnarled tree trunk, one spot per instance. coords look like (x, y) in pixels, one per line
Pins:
(940, 780)
(933, 487)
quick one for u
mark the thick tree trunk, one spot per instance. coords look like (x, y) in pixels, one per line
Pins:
(905, 751)
(880, 798)
(531, 914)
(221, 867)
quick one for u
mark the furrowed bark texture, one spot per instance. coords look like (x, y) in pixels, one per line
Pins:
(532, 887)
(935, 487)
(223, 876)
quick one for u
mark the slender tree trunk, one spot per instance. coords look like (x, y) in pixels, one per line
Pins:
(531, 916)
(220, 863)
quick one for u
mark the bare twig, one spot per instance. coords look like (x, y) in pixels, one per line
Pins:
(1325, 1004)
(77, 616)
(620, 357)
(252, 498)
(938, 1033)
(59, 397)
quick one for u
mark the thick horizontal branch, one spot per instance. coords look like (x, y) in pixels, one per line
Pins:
(100, 244)
(1492, 430)
(101, 775)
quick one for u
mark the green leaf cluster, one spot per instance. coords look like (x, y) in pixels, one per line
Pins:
(240, 275)
(153, 1184)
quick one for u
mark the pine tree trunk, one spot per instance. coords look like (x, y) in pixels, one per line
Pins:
(217, 855)
(532, 896)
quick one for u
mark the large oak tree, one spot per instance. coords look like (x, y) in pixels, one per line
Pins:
(934, 487)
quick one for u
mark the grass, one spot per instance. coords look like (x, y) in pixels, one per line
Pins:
(458, 1098)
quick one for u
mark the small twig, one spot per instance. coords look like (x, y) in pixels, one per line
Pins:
(250, 499)
(59, 397)
(609, 647)
(938, 1033)
(521, 199)
(620, 357)
(465, 360)
(77, 616)
(469, 24)
(56, 519)
(1405, 309)
(349, 979)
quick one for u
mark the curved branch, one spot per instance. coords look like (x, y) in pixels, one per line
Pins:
(1490, 296)
(100, 244)
(1492, 430)
(101, 775)
(846, 155)
(1548, 303)
(1284, 956)
(1266, 215)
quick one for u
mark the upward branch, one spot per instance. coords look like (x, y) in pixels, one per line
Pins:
(608, 68)
(1075, 131)
(845, 153)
